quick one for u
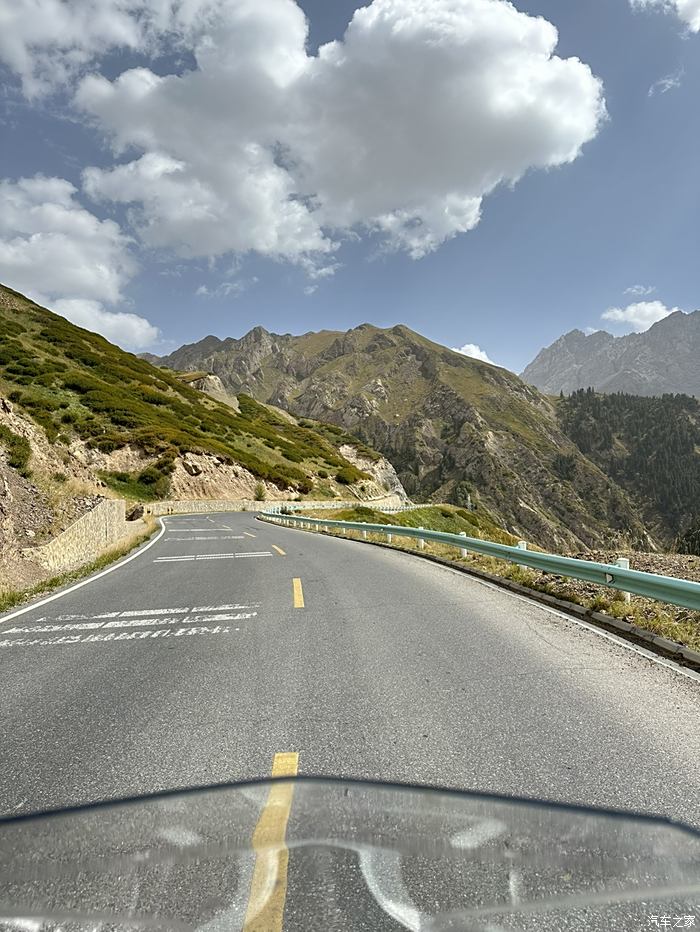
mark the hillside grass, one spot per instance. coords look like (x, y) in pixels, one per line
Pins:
(74, 383)
(18, 450)
(446, 518)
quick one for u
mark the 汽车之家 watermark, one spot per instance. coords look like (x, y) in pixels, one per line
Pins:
(672, 922)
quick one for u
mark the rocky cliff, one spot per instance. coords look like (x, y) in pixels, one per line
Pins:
(662, 360)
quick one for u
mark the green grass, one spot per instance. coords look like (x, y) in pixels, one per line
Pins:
(18, 450)
(445, 518)
(76, 384)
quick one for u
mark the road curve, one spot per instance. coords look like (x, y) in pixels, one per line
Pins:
(229, 642)
(190, 664)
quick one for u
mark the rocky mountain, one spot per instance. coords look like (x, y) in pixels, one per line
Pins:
(81, 419)
(452, 426)
(662, 360)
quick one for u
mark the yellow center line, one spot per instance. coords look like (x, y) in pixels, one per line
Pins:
(298, 593)
(268, 888)
(279, 550)
(247, 534)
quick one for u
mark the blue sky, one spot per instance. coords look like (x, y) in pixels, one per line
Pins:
(159, 246)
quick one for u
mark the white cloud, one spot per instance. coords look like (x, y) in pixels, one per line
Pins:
(49, 42)
(58, 253)
(640, 291)
(471, 349)
(401, 128)
(128, 330)
(589, 331)
(226, 289)
(639, 317)
(687, 10)
(667, 83)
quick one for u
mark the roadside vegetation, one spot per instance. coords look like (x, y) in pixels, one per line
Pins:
(649, 446)
(75, 384)
(673, 622)
(18, 450)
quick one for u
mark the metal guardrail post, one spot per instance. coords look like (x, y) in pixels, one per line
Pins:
(389, 538)
(522, 545)
(364, 533)
(463, 550)
(421, 540)
(624, 564)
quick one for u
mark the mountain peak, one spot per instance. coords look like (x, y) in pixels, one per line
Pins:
(256, 335)
(661, 360)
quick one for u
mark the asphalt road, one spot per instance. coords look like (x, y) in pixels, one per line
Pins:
(229, 641)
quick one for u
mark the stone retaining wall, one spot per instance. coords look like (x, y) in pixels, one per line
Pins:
(203, 506)
(85, 540)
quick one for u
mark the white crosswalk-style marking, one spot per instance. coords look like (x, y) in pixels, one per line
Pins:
(191, 557)
(167, 622)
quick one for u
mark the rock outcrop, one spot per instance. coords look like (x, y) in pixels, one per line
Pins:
(662, 360)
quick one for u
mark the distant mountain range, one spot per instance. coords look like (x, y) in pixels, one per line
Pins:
(450, 425)
(663, 360)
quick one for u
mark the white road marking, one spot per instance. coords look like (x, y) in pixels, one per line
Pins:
(211, 556)
(224, 608)
(85, 582)
(79, 617)
(112, 637)
(151, 611)
(211, 537)
(141, 619)
(193, 530)
(172, 559)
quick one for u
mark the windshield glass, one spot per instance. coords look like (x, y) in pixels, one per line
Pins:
(342, 855)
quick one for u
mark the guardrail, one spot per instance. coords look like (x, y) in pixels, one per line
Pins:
(663, 588)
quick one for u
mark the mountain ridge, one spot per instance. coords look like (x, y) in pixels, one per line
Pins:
(452, 426)
(661, 360)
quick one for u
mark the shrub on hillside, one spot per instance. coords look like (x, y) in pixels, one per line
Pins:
(18, 450)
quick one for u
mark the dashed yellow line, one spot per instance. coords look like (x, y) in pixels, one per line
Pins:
(279, 550)
(298, 593)
(268, 888)
(248, 534)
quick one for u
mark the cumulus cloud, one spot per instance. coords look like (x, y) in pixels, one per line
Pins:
(399, 129)
(128, 330)
(687, 10)
(58, 253)
(49, 42)
(639, 317)
(640, 291)
(471, 349)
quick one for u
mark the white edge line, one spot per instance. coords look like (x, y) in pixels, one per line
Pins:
(84, 582)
